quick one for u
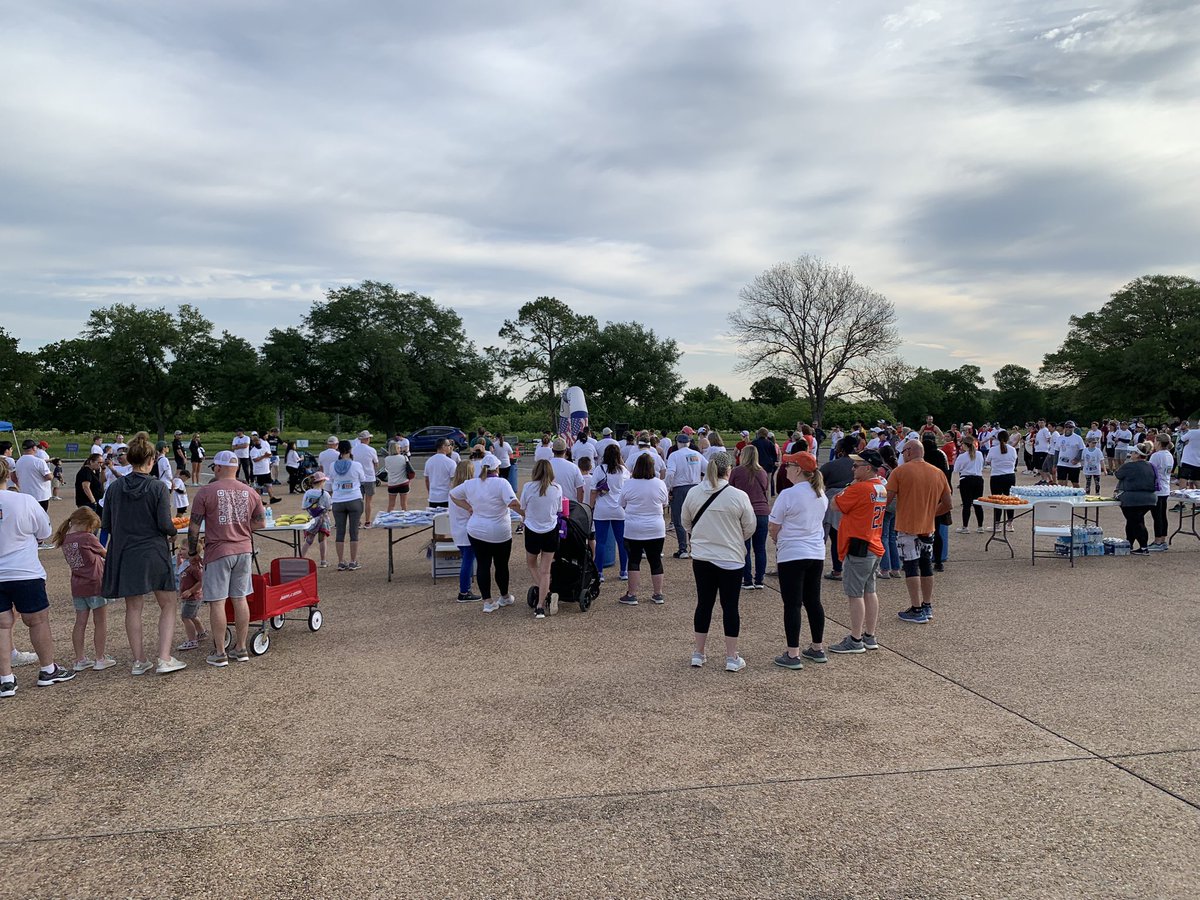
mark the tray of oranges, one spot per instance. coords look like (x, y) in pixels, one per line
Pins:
(1004, 500)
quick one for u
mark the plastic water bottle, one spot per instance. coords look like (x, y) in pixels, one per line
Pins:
(270, 518)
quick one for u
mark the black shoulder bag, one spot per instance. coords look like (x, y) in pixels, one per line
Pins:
(707, 504)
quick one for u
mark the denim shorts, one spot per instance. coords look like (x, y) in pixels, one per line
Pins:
(82, 603)
(190, 609)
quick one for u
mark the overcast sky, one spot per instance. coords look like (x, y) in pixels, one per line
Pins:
(992, 168)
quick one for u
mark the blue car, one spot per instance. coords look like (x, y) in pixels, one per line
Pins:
(425, 440)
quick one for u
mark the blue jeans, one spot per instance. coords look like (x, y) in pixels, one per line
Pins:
(943, 532)
(467, 569)
(891, 555)
(617, 528)
(759, 543)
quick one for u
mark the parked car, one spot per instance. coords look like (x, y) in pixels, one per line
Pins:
(425, 440)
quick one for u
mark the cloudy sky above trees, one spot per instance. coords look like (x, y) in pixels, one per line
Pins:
(992, 168)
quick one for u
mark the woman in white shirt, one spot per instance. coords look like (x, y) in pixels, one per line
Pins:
(607, 514)
(396, 465)
(541, 502)
(291, 462)
(458, 534)
(544, 450)
(503, 451)
(1003, 460)
(644, 498)
(488, 499)
(969, 466)
(718, 518)
(797, 526)
(1162, 460)
(347, 477)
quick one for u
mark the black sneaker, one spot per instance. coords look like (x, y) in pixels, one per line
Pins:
(939, 567)
(812, 654)
(45, 679)
(8, 688)
(681, 554)
(469, 598)
(1141, 551)
(275, 500)
(789, 662)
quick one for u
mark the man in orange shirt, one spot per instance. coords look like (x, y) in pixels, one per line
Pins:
(922, 494)
(860, 545)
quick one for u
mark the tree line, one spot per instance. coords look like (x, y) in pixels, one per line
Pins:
(822, 345)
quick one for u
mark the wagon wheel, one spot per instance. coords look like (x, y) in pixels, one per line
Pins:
(261, 643)
(230, 637)
(276, 622)
(314, 619)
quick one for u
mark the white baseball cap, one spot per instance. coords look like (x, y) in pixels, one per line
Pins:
(225, 458)
(332, 439)
(490, 461)
(913, 436)
(364, 435)
(606, 431)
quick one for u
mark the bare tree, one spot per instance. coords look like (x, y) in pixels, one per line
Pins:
(881, 377)
(811, 323)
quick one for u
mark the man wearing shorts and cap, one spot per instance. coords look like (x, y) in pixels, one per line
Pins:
(860, 545)
(230, 512)
(1070, 455)
(922, 494)
(366, 456)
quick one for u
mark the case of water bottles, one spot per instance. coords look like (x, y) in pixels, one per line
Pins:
(1116, 547)
(1087, 540)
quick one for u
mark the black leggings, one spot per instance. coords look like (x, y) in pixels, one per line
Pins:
(1002, 484)
(1159, 515)
(653, 549)
(711, 579)
(800, 585)
(1135, 524)
(970, 488)
(488, 555)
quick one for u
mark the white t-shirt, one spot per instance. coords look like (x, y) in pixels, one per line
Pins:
(602, 445)
(1041, 444)
(1163, 462)
(348, 486)
(584, 448)
(402, 445)
(162, 470)
(1094, 434)
(326, 458)
(458, 525)
(713, 449)
(684, 467)
(367, 457)
(31, 478)
(1190, 441)
(260, 459)
(664, 447)
(439, 469)
(179, 493)
(608, 505)
(660, 466)
(543, 451)
(23, 524)
(241, 446)
(964, 465)
(567, 474)
(643, 500)
(541, 511)
(1122, 438)
(489, 499)
(1055, 442)
(292, 460)
(627, 450)
(1002, 463)
(396, 467)
(1070, 451)
(96, 448)
(1093, 459)
(502, 452)
(800, 513)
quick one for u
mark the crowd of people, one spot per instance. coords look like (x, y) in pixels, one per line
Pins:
(879, 508)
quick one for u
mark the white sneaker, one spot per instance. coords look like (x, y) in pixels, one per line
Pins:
(106, 663)
(23, 658)
(490, 606)
(141, 668)
(167, 666)
(553, 610)
(507, 601)
(734, 664)
(697, 660)
(981, 530)
(962, 530)
(85, 663)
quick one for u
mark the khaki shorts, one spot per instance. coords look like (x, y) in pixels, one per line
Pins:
(368, 488)
(858, 574)
(226, 577)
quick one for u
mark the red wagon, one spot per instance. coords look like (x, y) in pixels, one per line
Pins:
(290, 585)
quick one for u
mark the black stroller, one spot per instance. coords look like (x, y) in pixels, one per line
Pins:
(573, 574)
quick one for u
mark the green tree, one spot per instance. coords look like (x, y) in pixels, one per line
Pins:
(284, 371)
(920, 396)
(20, 375)
(810, 323)
(1140, 351)
(536, 340)
(625, 371)
(146, 357)
(772, 391)
(962, 396)
(396, 358)
(1018, 398)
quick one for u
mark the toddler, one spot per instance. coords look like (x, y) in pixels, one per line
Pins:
(1093, 459)
(56, 480)
(316, 502)
(77, 539)
(189, 575)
